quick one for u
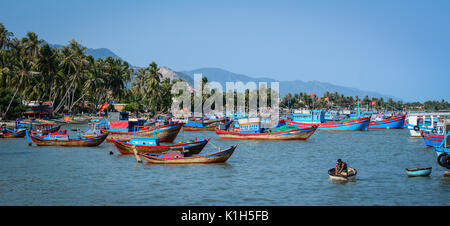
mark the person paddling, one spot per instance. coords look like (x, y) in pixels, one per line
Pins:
(341, 168)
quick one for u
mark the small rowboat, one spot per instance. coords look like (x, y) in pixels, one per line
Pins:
(152, 146)
(351, 174)
(63, 140)
(180, 158)
(418, 172)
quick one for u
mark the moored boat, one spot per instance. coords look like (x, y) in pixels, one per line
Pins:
(351, 174)
(13, 134)
(44, 129)
(352, 124)
(151, 145)
(177, 157)
(418, 172)
(294, 134)
(432, 140)
(64, 140)
(396, 122)
(166, 133)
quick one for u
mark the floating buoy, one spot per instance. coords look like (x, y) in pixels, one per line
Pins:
(111, 153)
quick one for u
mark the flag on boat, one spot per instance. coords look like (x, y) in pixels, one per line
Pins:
(326, 99)
(312, 95)
(103, 107)
(373, 103)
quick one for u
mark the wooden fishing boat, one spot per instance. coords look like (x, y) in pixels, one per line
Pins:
(45, 129)
(351, 174)
(418, 172)
(432, 140)
(167, 133)
(295, 134)
(152, 146)
(63, 140)
(172, 157)
(389, 123)
(14, 134)
(195, 128)
(352, 124)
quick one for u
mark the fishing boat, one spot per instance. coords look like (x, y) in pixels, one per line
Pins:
(250, 129)
(95, 130)
(443, 149)
(178, 157)
(166, 133)
(44, 129)
(432, 140)
(418, 172)
(64, 140)
(427, 122)
(13, 134)
(151, 145)
(205, 125)
(351, 174)
(394, 122)
(360, 124)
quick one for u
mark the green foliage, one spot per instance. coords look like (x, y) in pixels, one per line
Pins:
(16, 109)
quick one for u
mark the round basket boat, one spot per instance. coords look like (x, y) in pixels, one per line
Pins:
(418, 172)
(351, 174)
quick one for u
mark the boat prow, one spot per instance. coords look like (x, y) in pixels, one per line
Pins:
(351, 174)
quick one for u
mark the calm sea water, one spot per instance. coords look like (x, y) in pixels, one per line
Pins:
(259, 173)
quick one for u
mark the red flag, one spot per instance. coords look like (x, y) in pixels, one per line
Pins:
(326, 99)
(312, 94)
(373, 103)
(423, 106)
(103, 107)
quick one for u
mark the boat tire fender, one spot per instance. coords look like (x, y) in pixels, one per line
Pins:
(447, 161)
(416, 128)
(434, 131)
(440, 159)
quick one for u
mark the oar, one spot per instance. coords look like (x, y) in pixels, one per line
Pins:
(136, 154)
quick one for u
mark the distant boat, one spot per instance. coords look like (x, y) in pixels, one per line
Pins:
(64, 140)
(177, 157)
(205, 125)
(418, 172)
(44, 129)
(13, 134)
(351, 174)
(389, 123)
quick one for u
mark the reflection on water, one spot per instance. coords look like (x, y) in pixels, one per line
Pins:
(258, 173)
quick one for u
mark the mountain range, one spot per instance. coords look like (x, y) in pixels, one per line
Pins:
(222, 76)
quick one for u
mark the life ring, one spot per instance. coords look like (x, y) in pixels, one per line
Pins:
(434, 130)
(447, 161)
(440, 159)
(416, 128)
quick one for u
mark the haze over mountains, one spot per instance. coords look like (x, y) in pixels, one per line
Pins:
(222, 76)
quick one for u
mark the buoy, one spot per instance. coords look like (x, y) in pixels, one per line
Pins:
(111, 153)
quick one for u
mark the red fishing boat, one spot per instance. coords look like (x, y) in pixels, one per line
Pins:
(167, 133)
(14, 134)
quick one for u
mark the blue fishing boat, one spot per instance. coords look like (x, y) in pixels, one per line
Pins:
(432, 140)
(443, 150)
(418, 172)
(317, 118)
(394, 122)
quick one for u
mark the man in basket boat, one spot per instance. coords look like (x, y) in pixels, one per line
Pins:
(341, 168)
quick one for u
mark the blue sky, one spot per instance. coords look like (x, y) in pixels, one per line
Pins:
(399, 48)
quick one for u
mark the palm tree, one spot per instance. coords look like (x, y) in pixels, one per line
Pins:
(4, 36)
(31, 44)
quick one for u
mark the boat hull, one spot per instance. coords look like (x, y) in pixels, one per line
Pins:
(355, 124)
(193, 128)
(432, 140)
(392, 123)
(86, 142)
(296, 134)
(418, 172)
(17, 134)
(218, 157)
(191, 148)
(166, 133)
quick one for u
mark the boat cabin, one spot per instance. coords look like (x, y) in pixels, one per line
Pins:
(317, 116)
(249, 125)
